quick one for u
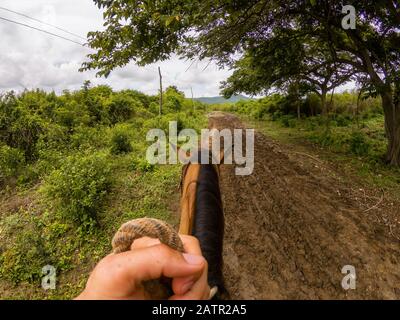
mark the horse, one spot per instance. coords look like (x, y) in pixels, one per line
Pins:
(202, 216)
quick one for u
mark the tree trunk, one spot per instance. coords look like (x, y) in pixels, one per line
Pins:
(392, 127)
(298, 110)
(323, 103)
(325, 109)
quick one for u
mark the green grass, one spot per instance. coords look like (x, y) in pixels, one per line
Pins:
(34, 237)
(359, 152)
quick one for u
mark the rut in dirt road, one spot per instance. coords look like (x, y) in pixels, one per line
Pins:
(290, 230)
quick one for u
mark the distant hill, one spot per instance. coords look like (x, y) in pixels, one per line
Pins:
(217, 100)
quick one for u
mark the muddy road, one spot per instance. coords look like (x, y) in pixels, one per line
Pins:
(292, 225)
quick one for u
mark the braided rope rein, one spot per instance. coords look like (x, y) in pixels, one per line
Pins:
(148, 227)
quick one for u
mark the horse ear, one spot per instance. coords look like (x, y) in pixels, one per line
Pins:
(182, 155)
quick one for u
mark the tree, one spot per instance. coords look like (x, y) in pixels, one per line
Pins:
(287, 62)
(147, 31)
(371, 49)
(174, 99)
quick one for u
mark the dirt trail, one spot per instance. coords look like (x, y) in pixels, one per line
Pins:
(291, 227)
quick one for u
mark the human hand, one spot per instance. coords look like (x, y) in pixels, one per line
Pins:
(121, 276)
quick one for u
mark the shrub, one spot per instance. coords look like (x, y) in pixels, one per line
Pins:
(11, 161)
(359, 144)
(163, 122)
(288, 121)
(121, 108)
(25, 259)
(55, 137)
(324, 139)
(311, 124)
(79, 187)
(120, 143)
(88, 137)
(27, 176)
(142, 165)
(29, 242)
(343, 120)
(259, 110)
(24, 132)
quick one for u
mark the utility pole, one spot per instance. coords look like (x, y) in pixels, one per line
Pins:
(161, 92)
(191, 89)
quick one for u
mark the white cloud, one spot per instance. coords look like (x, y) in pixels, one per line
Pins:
(31, 59)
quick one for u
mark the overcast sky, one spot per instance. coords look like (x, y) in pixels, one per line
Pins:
(31, 59)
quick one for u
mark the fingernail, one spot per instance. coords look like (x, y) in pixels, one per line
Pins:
(187, 286)
(193, 259)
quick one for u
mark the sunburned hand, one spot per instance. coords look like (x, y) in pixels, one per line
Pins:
(120, 276)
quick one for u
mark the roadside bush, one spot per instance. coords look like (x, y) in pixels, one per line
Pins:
(23, 262)
(30, 242)
(259, 110)
(288, 121)
(24, 131)
(121, 107)
(324, 139)
(310, 124)
(163, 122)
(11, 161)
(120, 143)
(142, 165)
(89, 137)
(28, 175)
(343, 120)
(358, 144)
(79, 187)
(55, 137)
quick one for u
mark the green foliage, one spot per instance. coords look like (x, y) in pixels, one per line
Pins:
(20, 123)
(31, 241)
(303, 47)
(120, 142)
(343, 120)
(121, 108)
(359, 144)
(71, 201)
(79, 186)
(288, 121)
(142, 165)
(174, 99)
(11, 161)
(324, 138)
(23, 262)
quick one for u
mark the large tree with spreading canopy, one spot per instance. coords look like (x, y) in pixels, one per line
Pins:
(148, 31)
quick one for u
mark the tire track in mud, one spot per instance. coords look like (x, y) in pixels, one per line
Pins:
(290, 229)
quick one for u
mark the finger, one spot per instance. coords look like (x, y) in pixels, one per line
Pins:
(191, 286)
(144, 243)
(156, 261)
(199, 290)
(191, 244)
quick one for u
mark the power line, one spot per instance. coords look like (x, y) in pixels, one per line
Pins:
(44, 31)
(42, 22)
